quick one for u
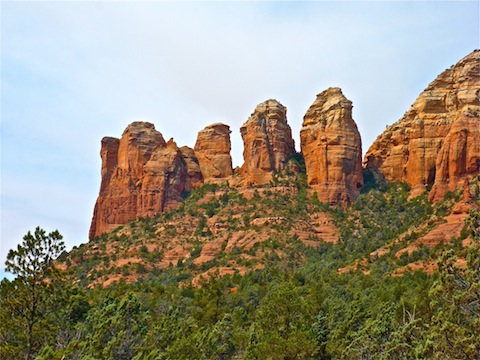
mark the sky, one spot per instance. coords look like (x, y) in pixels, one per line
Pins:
(73, 72)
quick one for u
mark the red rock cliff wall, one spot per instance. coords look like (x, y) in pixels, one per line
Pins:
(141, 176)
(436, 142)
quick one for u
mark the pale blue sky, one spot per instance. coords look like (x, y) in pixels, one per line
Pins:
(73, 72)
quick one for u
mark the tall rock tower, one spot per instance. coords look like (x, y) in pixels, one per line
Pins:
(212, 150)
(268, 143)
(332, 148)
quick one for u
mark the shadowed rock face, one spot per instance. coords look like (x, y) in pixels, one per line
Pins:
(268, 143)
(437, 141)
(332, 148)
(141, 176)
(459, 157)
(212, 150)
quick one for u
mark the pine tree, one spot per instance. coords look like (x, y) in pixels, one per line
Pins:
(26, 301)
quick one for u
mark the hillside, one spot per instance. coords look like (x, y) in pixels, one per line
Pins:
(272, 273)
(280, 200)
(220, 230)
(291, 256)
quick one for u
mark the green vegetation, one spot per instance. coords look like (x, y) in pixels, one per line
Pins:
(34, 298)
(292, 304)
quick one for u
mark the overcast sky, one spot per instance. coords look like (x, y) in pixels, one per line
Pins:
(73, 72)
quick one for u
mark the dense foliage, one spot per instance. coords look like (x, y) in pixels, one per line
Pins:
(295, 307)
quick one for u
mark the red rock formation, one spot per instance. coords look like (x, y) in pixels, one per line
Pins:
(332, 148)
(141, 176)
(268, 143)
(467, 195)
(459, 157)
(109, 155)
(136, 146)
(436, 142)
(212, 150)
(194, 174)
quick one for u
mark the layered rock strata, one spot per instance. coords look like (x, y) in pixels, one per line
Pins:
(459, 156)
(141, 176)
(268, 143)
(212, 150)
(437, 141)
(332, 148)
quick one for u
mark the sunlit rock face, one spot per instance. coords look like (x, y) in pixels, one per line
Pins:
(141, 176)
(212, 150)
(332, 148)
(268, 143)
(436, 143)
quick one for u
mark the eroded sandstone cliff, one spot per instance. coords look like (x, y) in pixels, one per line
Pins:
(437, 141)
(332, 148)
(141, 176)
(268, 143)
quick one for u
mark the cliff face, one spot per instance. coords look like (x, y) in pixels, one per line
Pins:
(436, 142)
(212, 150)
(141, 176)
(268, 143)
(459, 157)
(332, 148)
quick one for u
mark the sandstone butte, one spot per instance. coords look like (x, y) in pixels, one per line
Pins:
(332, 148)
(268, 143)
(212, 150)
(437, 142)
(141, 176)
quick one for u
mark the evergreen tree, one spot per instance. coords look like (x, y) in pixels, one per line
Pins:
(27, 301)
(455, 327)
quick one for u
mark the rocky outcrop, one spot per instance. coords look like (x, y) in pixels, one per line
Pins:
(332, 148)
(194, 177)
(459, 157)
(141, 176)
(436, 142)
(268, 143)
(212, 150)
(109, 155)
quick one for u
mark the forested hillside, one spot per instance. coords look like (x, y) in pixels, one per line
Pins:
(268, 285)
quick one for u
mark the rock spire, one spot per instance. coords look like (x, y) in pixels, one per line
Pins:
(332, 148)
(212, 150)
(268, 143)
